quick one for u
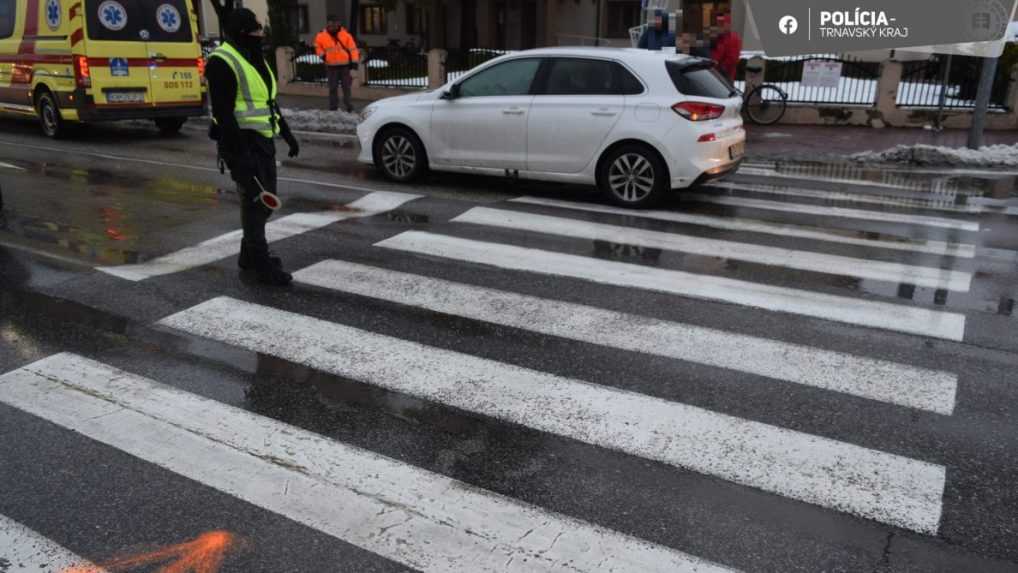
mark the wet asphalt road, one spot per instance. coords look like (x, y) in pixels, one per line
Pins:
(123, 196)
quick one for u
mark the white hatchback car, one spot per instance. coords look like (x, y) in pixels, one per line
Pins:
(636, 123)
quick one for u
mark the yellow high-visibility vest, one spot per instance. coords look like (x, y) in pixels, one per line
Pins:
(254, 108)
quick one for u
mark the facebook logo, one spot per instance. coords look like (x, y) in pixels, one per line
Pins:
(788, 25)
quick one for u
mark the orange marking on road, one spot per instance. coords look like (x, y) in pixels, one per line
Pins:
(203, 555)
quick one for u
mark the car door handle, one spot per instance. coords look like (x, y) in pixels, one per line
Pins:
(513, 111)
(603, 113)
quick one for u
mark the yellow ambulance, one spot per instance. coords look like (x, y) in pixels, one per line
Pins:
(81, 61)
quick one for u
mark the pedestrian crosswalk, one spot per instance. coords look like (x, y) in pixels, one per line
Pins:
(23, 550)
(435, 523)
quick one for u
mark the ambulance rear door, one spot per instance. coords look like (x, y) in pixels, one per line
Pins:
(118, 54)
(174, 53)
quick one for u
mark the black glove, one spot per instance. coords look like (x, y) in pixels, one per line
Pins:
(294, 146)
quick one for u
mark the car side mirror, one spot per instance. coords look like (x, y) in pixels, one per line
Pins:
(452, 93)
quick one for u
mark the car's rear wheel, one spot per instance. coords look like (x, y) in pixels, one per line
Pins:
(169, 126)
(400, 155)
(49, 115)
(633, 175)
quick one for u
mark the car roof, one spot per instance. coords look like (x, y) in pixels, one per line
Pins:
(625, 54)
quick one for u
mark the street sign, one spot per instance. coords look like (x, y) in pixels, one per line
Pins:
(821, 74)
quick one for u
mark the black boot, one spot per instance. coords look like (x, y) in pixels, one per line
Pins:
(269, 272)
(272, 275)
(246, 262)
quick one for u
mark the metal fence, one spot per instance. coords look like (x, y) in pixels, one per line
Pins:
(307, 66)
(857, 86)
(395, 67)
(923, 83)
(459, 62)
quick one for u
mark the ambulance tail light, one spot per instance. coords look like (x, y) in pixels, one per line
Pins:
(201, 69)
(82, 75)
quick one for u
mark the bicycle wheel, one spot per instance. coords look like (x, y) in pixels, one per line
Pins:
(765, 105)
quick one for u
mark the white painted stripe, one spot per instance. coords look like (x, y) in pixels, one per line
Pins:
(833, 474)
(9, 166)
(932, 203)
(25, 551)
(767, 227)
(827, 211)
(864, 377)
(900, 318)
(226, 245)
(421, 519)
(760, 254)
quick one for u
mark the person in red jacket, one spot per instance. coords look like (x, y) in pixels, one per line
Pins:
(727, 47)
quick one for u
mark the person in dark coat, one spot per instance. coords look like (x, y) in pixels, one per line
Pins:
(657, 35)
(249, 151)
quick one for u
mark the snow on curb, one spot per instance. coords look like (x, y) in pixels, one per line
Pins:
(989, 156)
(321, 120)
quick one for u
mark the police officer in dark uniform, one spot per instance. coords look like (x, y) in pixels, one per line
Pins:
(246, 119)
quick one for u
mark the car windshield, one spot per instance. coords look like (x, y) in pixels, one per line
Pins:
(700, 79)
(134, 20)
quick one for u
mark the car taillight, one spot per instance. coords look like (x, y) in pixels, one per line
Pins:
(698, 111)
(201, 68)
(82, 75)
(707, 138)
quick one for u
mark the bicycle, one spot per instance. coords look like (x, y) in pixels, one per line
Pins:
(765, 104)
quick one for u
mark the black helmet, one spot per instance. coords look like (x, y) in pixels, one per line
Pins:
(241, 22)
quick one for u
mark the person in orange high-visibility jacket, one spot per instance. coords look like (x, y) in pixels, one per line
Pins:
(336, 46)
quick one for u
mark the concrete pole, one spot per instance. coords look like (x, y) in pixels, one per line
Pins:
(982, 103)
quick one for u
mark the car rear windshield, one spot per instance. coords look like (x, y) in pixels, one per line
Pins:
(699, 79)
(139, 20)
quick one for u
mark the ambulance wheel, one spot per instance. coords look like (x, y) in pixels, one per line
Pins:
(169, 126)
(49, 115)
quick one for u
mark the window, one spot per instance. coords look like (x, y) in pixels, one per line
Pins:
(373, 19)
(417, 20)
(514, 77)
(7, 18)
(590, 77)
(303, 21)
(623, 15)
(699, 80)
(133, 20)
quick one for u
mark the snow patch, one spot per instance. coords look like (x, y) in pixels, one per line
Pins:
(989, 156)
(321, 120)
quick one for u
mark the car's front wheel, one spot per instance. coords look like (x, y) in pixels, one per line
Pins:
(400, 155)
(633, 175)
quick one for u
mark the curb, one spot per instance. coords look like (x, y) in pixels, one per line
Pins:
(309, 137)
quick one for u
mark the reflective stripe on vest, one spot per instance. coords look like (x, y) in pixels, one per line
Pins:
(253, 108)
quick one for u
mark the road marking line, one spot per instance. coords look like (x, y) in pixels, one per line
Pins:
(766, 227)
(827, 211)
(227, 245)
(9, 166)
(860, 312)
(933, 203)
(28, 551)
(873, 379)
(759, 254)
(421, 519)
(832, 474)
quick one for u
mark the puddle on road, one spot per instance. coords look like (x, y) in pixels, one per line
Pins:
(944, 184)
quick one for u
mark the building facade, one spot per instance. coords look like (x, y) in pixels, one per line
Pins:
(509, 24)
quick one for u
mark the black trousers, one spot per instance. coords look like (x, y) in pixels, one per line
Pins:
(261, 163)
(339, 75)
